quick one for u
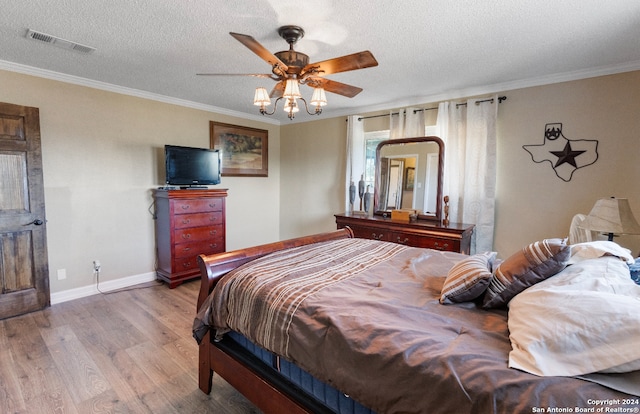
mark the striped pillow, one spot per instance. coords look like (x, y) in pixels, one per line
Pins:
(534, 263)
(468, 279)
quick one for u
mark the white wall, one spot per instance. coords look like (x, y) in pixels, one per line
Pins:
(102, 156)
(532, 202)
(312, 178)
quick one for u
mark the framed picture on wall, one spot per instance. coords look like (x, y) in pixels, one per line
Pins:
(409, 178)
(243, 151)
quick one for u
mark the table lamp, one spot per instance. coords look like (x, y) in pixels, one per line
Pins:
(611, 216)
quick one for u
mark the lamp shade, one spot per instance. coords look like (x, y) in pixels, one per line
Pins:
(612, 215)
(291, 106)
(319, 98)
(261, 97)
(291, 89)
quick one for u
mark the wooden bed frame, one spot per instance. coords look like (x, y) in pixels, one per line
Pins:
(268, 393)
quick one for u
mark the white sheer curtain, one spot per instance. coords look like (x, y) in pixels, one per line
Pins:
(407, 123)
(355, 156)
(469, 134)
(396, 125)
(414, 123)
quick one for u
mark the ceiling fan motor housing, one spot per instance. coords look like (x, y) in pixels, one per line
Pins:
(294, 60)
(291, 34)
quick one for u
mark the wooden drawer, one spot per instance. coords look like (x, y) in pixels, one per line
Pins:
(186, 206)
(370, 233)
(454, 237)
(428, 242)
(198, 219)
(182, 264)
(211, 246)
(195, 234)
(186, 254)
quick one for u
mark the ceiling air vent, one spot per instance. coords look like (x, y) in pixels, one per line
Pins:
(56, 41)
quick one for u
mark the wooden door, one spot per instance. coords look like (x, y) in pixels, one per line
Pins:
(24, 272)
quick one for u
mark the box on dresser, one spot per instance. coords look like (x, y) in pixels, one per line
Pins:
(189, 222)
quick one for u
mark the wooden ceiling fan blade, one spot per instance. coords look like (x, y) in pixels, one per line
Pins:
(255, 75)
(336, 87)
(259, 50)
(346, 63)
(277, 90)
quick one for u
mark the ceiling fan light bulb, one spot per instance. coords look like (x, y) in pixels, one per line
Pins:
(291, 106)
(261, 97)
(319, 98)
(292, 89)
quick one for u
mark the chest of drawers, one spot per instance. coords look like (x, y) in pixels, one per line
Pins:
(188, 223)
(455, 237)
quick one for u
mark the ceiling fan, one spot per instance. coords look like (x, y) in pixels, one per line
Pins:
(290, 68)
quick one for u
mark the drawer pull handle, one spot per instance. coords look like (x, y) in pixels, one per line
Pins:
(405, 241)
(185, 206)
(186, 221)
(213, 218)
(213, 232)
(439, 247)
(212, 205)
(186, 264)
(214, 245)
(377, 236)
(186, 236)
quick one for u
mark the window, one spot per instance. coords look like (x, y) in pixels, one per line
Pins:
(371, 141)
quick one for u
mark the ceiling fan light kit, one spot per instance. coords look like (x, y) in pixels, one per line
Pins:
(319, 98)
(291, 69)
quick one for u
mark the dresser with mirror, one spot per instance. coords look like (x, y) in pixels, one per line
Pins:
(409, 176)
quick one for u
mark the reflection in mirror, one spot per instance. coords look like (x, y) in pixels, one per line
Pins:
(409, 176)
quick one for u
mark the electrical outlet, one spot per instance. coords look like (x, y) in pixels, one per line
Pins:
(96, 265)
(62, 274)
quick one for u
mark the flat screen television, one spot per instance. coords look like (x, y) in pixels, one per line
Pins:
(191, 167)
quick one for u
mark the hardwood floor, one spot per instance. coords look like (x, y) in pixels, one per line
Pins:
(124, 352)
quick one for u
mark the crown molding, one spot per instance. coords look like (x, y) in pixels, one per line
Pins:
(76, 80)
(413, 101)
(498, 88)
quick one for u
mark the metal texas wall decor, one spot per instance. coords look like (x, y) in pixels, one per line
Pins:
(564, 155)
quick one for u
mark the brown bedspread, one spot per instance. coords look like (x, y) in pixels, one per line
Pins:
(364, 317)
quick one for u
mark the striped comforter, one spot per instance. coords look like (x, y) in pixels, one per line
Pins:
(364, 316)
(261, 299)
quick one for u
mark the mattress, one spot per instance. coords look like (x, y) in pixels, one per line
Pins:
(324, 394)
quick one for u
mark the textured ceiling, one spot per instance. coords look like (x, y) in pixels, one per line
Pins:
(427, 49)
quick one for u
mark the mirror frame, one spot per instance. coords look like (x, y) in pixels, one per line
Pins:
(376, 192)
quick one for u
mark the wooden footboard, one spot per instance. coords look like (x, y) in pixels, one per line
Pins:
(266, 395)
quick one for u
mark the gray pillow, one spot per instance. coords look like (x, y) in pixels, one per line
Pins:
(534, 263)
(468, 279)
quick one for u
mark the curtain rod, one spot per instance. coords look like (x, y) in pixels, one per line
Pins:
(500, 99)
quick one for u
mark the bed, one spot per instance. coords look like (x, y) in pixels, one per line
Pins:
(371, 320)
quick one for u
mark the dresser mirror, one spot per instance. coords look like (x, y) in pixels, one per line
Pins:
(409, 176)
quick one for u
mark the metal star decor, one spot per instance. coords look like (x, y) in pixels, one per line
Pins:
(565, 156)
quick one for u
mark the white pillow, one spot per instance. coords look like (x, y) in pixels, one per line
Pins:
(595, 249)
(583, 320)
